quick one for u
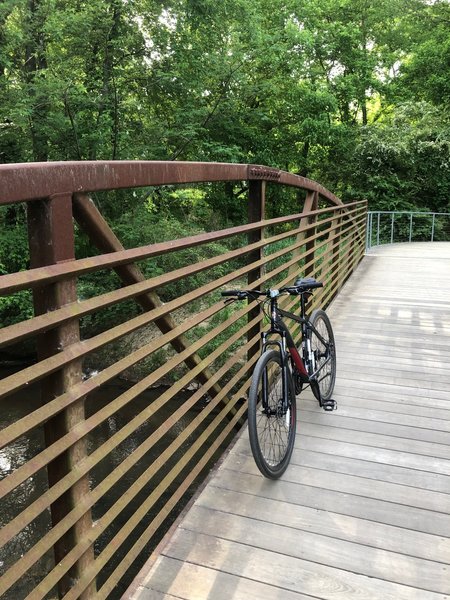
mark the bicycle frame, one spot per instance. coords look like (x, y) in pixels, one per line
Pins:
(278, 327)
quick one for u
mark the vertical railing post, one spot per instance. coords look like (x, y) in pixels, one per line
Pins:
(256, 212)
(351, 251)
(51, 241)
(335, 241)
(392, 227)
(432, 227)
(363, 248)
(410, 226)
(311, 204)
(369, 231)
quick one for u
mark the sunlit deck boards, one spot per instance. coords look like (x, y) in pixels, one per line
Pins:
(363, 510)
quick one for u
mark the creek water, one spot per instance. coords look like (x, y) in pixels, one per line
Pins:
(13, 456)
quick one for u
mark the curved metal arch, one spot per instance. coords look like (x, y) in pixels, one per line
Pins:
(29, 181)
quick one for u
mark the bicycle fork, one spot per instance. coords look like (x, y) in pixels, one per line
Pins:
(282, 404)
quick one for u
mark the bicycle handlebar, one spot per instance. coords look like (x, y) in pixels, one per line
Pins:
(301, 286)
(241, 294)
(231, 292)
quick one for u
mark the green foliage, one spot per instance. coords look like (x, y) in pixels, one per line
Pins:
(424, 73)
(148, 224)
(13, 258)
(403, 163)
(353, 94)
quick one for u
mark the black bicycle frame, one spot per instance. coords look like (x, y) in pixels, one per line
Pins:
(277, 326)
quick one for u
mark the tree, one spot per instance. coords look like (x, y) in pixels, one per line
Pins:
(425, 72)
(403, 163)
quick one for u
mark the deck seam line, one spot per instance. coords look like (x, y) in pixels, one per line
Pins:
(321, 487)
(323, 535)
(304, 560)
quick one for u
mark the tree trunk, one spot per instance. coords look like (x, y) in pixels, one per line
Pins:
(35, 63)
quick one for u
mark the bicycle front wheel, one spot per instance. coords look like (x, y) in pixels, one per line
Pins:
(324, 353)
(272, 412)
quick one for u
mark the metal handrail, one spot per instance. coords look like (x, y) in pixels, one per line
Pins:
(385, 232)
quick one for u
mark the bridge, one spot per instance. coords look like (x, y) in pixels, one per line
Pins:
(92, 486)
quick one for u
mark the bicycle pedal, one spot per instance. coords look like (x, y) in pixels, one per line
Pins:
(329, 405)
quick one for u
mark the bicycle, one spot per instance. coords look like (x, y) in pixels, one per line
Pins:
(281, 373)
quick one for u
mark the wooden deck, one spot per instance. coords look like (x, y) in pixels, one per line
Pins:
(363, 510)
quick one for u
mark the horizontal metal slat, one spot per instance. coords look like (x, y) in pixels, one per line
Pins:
(48, 540)
(20, 331)
(41, 415)
(81, 430)
(13, 282)
(109, 551)
(115, 510)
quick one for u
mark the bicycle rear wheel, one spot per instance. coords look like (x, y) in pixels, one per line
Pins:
(271, 418)
(324, 353)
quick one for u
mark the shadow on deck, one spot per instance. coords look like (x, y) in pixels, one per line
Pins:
(362, 511)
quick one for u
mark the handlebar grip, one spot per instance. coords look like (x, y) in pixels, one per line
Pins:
(309, 282)
(231, 293)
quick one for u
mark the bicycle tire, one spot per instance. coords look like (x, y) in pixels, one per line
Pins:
(325, 356)
(272, 433)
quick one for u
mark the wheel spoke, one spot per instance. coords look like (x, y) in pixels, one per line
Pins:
(322, 346)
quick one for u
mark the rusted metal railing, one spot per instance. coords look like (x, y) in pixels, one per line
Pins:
(95, 529)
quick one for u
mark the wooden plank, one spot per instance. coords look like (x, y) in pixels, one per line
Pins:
(392, 362)
(286, 572)
(435, 380)
(359, 486)
(380, 351)
(302, 518)
(363, 507)
(383, 315)
(373, 402)
(349, 393)
(377, 453)
(322, 549)
(395, 340)
(425, 455)
(398, 314)
(382, 423)
(152, 594)
(365, 461)
(349, 380)
(434, 324)
(398, 335)
(375, 470)
(190, 581)
(371, 454)
(418, 384)
(377, 331)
